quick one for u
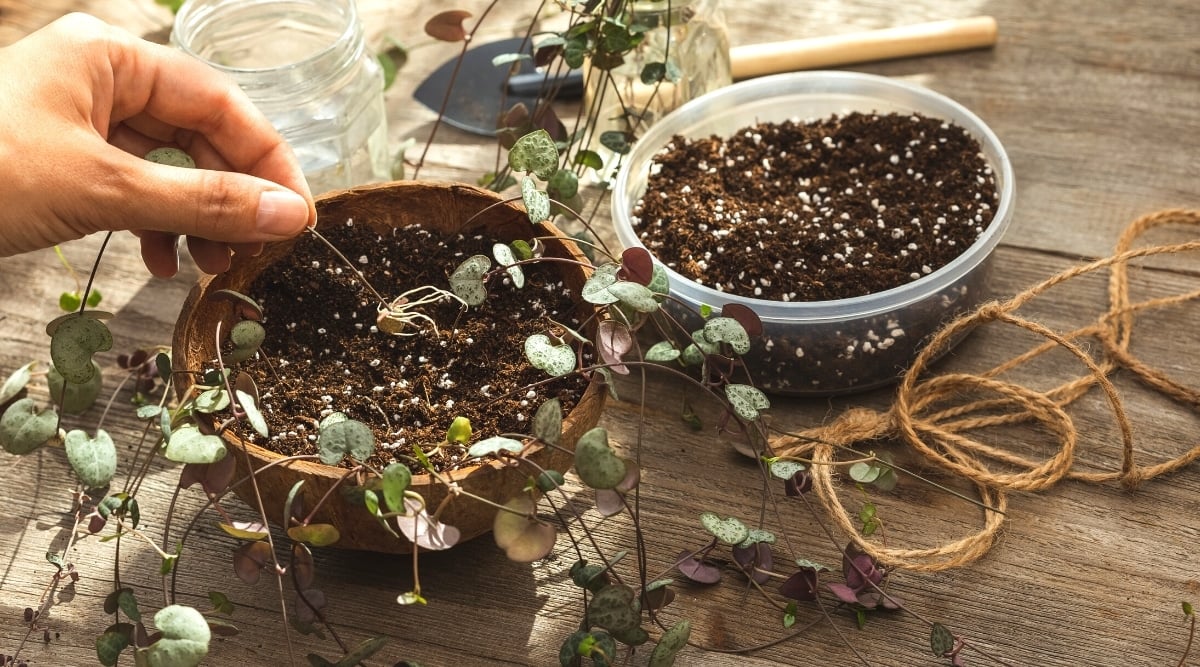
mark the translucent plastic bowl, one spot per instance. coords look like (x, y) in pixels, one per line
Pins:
(816, 347)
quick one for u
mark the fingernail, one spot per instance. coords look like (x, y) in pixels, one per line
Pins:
(281, 213)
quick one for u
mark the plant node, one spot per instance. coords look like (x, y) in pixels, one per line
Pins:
(401, 318)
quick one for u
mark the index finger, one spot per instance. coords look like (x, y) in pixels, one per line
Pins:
(180, 91)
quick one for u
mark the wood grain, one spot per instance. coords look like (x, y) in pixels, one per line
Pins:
(1095, 103)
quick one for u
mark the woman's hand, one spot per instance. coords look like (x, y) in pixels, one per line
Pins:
(82, 102)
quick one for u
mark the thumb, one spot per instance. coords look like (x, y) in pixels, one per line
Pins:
(216, 205)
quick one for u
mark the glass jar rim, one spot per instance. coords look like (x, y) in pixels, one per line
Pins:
(195, 10)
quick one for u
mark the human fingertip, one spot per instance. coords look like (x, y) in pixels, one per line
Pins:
(160, 253)
(281, 213)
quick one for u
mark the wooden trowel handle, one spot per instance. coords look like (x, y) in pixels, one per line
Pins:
(835, 50)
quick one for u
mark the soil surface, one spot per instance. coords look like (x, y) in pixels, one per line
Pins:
(323, 352)
(822, 210)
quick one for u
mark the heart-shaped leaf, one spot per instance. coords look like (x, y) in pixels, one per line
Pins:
(495, 445)
(189, 445)
(448, 25)
(613, 609)
(596, 644)
(459, 431)
(24, 428)
(590, 577)
(637, 265)
(211, 400)
(563, 185)
(843, 593)
(691, 356)
(245, 383)
(16, 382)
(184, 640)
(635, 636)
(596, 463)
(660, 282)
(635, 295)
(755, 560)
(537, 203)
(728, 330)
(253, 414)
(728, 530)
(127, 602)
(548, 422)
(109, 647)
(706, 346)
(697, 570)
(745, 316)
(941, 640)
(423, 531)
(467, 280)
(171, 156)
(658, 594)
(365, 649)
(859, 569)
(671, 644)
(746, 400)
(409, 597)
(609, 502)
(543, 354)
(343, 438)
(613, 341)
(94, 460)
(549, 480)
(246, 337)
(535, 153)
(785, 469)
(245, 530)
(863, 472)
(662, 352)
(308, 603)
(800, 586)
(293, 504)
(315, 534)
(505, 257)
(595, 290)
(612, 501)
(214, 477)
(396, 479)
(249, 560)
(73, 342)
(524, 539)
(757, 535)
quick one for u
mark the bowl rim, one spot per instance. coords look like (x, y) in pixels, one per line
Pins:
(814, 84)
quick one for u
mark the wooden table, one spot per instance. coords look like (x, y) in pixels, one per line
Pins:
(1096, 104)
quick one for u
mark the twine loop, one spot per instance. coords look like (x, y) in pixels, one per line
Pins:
(942, 417)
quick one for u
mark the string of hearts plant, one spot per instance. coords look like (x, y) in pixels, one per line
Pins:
(617, 606)
(598, 38)
(187, 433)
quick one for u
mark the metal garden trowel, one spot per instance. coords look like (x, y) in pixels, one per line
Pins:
(483, 91)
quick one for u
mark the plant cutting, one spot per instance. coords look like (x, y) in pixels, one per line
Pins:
(628, 284)
(363, 355)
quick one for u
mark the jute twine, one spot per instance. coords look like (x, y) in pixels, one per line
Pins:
(929, 414)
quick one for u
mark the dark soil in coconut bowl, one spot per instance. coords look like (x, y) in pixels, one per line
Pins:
(324, 353)
(828, 211)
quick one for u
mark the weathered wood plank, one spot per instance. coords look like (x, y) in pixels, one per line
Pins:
(1095, 103)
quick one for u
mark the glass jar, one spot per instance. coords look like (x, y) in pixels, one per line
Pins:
(689, 38)
(305, 65)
